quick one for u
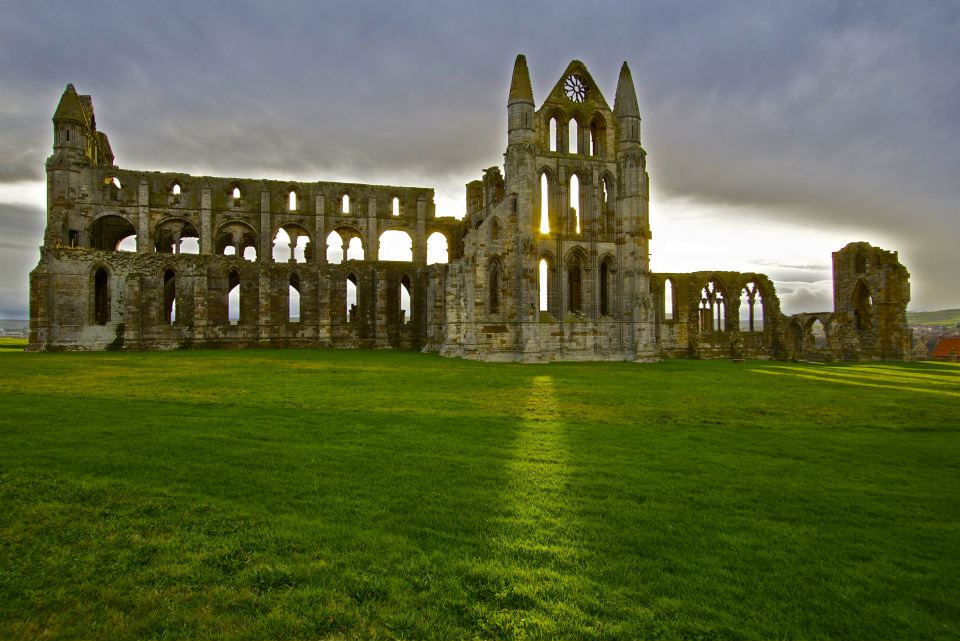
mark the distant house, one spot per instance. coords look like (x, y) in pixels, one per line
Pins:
(948, 348)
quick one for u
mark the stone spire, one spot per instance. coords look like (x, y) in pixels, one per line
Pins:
(520, 88)
(625, 104)
(70, 109)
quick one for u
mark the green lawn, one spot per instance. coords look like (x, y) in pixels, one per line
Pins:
(315, 494)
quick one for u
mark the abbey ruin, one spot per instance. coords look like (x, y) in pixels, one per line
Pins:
(551, 261)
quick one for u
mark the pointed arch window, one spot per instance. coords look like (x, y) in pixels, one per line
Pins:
(169, 296)
(574, 204)
(544, 204)
(573, 141)
(493, 286)
(293, 298)
(554, 135)
(292, 200)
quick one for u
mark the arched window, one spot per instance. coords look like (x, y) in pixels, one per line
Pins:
(574, 288)
(668, 300)
(396, 206)
(598, 132)
(290, 245)
(345, 204)
(169, 296)
(574, 203)
(355, 249)
(250, 253)
(334, 248)
(862, 305)
(712, 313)
(554, 135)
(292, 200)
(127, 244)
(235, 193)
(233, 297)
(101, 296)
(493, 286)
(396, 245)
(544, 285)
(406, 300)
(437, 249)
(574, 137)
(751, 308)
(819, 334)
(293, 299)
(352, 298)
(544, 204)
(604, 289)
(175, 190)
(494, 228)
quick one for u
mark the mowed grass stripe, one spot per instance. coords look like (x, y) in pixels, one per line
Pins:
(315, 494)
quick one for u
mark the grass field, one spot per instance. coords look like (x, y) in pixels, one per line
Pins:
(315, 494)
(943, 317)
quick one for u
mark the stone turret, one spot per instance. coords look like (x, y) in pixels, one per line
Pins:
(625, 108)
(71, 126)
(520, 104)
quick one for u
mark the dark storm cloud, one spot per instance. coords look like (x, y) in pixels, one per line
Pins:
(838, 114)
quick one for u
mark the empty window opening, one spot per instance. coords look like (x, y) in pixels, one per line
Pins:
(355, 249)
(169, 296)
(101, 297)
(290, 246)
(668, 300)
(554, 134)
(544, 284)
(176, 189)
(494, 228)
(352, 298)
(396, 206)
(604, 289)
(233, 298)
(229, 250)
(575, 203)
(334, 248)
(345, 204)
(574, 139)
(574, 288)
(819, 334)
(544, 204)
(293, 299)
(235, 193)
(127, 244)
(107, 232)
(597, 135)
(751, 309)
(292, 201)
(250, 253)
(396, 245)
(862, 305)
(405, 299)
(712, 313)
(189, 245)
(493, 284)
(115, 182)
(437, 250)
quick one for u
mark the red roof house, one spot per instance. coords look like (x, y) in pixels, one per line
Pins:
(947, 347)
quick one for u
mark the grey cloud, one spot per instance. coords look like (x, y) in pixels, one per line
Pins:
(845, 115)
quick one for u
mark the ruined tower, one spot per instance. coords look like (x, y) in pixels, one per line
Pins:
(557, 268)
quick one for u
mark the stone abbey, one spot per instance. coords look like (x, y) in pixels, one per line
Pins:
(551, 261)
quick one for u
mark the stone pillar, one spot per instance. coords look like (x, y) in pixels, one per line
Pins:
(143, 218)
(265, 254)
(206, 222)
(373, 231)
(320, 230)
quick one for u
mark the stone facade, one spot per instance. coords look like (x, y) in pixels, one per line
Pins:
(550, 263)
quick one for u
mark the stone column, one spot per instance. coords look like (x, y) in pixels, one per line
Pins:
(143, 218)
(320, 230)
(206, 222)
(265, 254)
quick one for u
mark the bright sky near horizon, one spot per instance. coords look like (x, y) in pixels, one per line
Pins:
(776, 133)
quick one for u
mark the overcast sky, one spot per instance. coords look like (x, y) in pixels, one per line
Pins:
(776, 131)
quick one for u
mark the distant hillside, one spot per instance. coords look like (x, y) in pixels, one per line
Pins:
(943, 317)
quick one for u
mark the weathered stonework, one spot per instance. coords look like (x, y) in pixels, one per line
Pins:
(551, 261)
